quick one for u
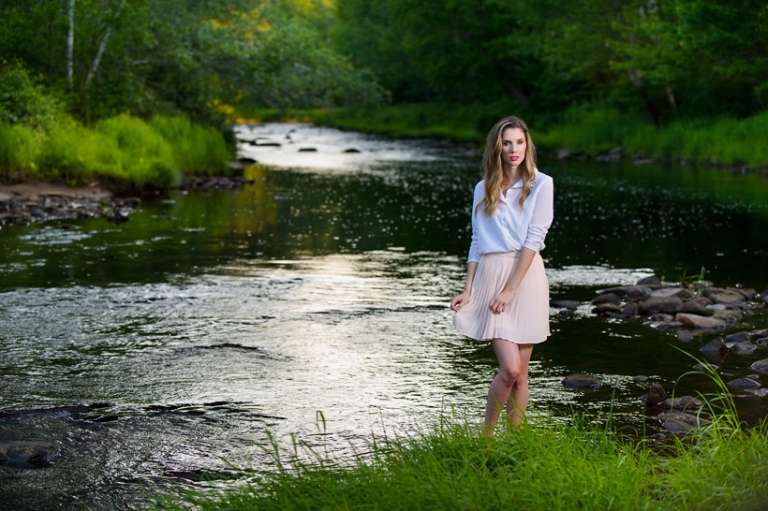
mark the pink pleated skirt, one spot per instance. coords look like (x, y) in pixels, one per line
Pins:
(526, 320)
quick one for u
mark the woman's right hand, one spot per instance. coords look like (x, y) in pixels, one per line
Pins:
(459, 301)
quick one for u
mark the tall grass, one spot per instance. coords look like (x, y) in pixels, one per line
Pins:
(543, 466)
(123, 151)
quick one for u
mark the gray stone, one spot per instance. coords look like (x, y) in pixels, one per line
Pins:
(680, 422)
(743, 383)
(728, 316)
(700, 322)
(758, 334)
(655, 395)
(666, 292)
(630, 309)
(582, 381)
(662, 317)
(692, 307)
(742, 348)
(564, 313)
(684, 336)
(640, 378)
(665, 326)
(27, 454)
(727, 297)
(737, 337)
(682, 403)
(753, 376)
(761, 366)
(606, 308)
(704, 368)
(747, 293)
(715, 346)
(563, 154)
(607, 298)
(761, 392)
(616, 290)
(670, 305)
(659, 436)
(649, 281)
(762, 342)
(638, 292)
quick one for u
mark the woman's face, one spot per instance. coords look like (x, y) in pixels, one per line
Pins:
(513, 147)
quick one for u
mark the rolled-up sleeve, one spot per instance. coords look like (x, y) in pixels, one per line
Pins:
(474, 247)
(543, 213)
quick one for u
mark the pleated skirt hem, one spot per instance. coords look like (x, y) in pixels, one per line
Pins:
(526, 320)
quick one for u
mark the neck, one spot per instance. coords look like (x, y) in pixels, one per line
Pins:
(511, 175)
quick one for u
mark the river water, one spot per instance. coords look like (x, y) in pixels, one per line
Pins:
(313, 305)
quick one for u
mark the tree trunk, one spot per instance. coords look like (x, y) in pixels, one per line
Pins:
(102, 47)
(71, 45)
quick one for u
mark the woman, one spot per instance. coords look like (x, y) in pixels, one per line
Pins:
(506, 295)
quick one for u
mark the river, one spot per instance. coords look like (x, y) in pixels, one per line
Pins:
(313, 305)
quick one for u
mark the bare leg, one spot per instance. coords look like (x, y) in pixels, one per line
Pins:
(518, 398)
(513, 363)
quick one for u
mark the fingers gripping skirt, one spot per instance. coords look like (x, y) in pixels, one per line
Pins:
(526, 320)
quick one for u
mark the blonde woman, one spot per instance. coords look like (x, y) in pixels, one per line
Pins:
(506, 294)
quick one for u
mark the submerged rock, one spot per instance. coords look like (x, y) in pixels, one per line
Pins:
(742, 348)
(582, 381)
(714, 346)
(761, 366)
(682, 422)
(27, 454)
(743, 383)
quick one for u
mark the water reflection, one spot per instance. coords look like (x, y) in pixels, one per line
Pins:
(211, 317)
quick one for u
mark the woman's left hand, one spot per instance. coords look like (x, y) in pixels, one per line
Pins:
(502, 301)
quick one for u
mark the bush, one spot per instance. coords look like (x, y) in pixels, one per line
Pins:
(197, 149)
(19, 148)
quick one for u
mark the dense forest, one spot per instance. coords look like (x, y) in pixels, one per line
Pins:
(656, 63)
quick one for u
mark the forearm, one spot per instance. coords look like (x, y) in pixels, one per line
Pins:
(524, 261)
(471, 271)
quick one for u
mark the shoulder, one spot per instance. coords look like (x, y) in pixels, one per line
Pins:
(480, 185)
(542, 180)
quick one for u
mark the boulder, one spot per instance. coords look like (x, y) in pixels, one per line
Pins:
(638, 292)
(737, 337)
(700, 322)
(743, 383)
(682, 403)
(655, 396)
(761, 366)
(607, 298)
(27, 454)
(565, 304)
(728, 316)
(693, 307)
(669, 305)
(758, 334)
(715, 346)
(748, 293)
(605, 309)
(682, 422)
(630, 310)
(727, 297)
(666, 292)
(582, 381)
(649, 281)
(684, 336)
(742, 348)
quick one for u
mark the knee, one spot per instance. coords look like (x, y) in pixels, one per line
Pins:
(509, 375)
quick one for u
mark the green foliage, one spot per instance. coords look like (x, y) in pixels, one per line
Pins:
(542, 466)
(22, 101)
(197, 149)
(19, 146)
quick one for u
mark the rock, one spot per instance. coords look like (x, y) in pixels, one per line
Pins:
(630, 310)
(607, 298)
(655, 396)
(748, 294)
(693, 307)
(563, 154)
(236, 168)
(761, 392)
(307, 149)
(653, 281)
(665, 326)
(617, 290)
(638, 292)
(659, 436)
(761, 366)
(605, 309)
(728, 316)
(758, 334)
(582, 381)
(682, 403)
(743, 383)
(564, 313)
(700, 322)
(737, 337)
(351, 150)
(565, 304)
(742, 348)
(666, 292)
(246, 161)
(27, 454)
(662, 317)
(753, 376)
(669, 305)
(684, 336)
(705, 368)
(726, 296)
(762, 342)
(682, 422)
(715, 346)
(640, 378)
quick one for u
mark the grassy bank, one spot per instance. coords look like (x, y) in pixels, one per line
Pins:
(121, 152)
(721, 141)
(543, 466)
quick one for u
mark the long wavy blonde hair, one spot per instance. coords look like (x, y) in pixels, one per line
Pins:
(493, 171)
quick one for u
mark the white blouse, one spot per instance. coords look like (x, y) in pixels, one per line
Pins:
(510, 229)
